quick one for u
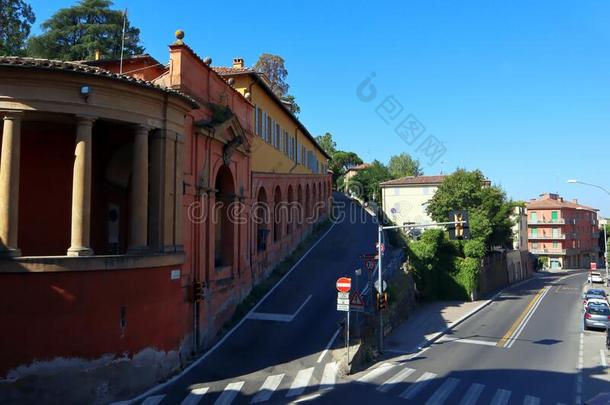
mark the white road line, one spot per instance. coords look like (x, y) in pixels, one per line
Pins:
(229, 393)
(501, 397)
(443, 392)
(524, 322)
(265, 316)
(268, 388)
(329, 376)
(469, 341)
(300, 382)
(578, 397)
(328, 345)
(154, 400)
(394, 380)
(602, 355)
(194, 396)
(231, 331)
(376, 372)
(417, 386)
(473, 394)
(530, 400)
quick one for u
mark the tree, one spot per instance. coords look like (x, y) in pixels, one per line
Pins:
(16, 19)
(366, 182)
(273, 67)
(327, 143)
(404, 165)
(343, 161)
(77, 32)
(294, 107)
(488, 207)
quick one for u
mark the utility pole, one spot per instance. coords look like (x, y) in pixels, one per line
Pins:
(606, 253)
(380, 280)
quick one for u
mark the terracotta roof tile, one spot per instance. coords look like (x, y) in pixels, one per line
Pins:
(414, 180)
(552, 203)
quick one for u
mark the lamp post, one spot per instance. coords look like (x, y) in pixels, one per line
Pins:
(573, 181)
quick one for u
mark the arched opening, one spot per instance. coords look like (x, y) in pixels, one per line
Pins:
(277, 214)
(299, 208)
(261, 220)
(223, 223)
(307, 210)
(314, 203)
(291, 211)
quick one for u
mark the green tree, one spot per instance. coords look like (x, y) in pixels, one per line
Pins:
(77, 32)
(16, 19)
(343, 161)
(366, 182)
(403, 165)
(274, 68)
(327, 143)
(488, 207)
(294, 107)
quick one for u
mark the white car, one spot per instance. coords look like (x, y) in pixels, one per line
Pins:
(595, 277)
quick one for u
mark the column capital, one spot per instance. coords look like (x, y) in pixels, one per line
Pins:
(11, 114)
(85, 119)
(143, 129)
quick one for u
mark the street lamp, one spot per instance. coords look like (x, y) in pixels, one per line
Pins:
(573, 181)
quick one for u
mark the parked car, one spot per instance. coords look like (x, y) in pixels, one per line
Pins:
(595, 277)
(597, 301)
(597, 316)
(595, 293)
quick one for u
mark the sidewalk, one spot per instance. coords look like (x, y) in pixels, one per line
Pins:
(427, 323)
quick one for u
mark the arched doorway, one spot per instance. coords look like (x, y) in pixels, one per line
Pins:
(307, 204)
(299, 208)
(277, 214)
(290, 219)
(261, 220)
(224, 226)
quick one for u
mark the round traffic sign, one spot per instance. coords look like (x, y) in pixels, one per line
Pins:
(382, 247)
(369, 264)
(344, 284)
(384, 284)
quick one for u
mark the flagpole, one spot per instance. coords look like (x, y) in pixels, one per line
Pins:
(123, 40)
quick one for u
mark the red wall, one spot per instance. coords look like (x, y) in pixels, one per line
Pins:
(78, 314)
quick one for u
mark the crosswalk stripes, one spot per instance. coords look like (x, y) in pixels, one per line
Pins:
(441, 394)
(418, 385)
(530, 400)
(229, 393)
(300, 382)
(329, 376)
(376, 372)
(194, 396)
(154, 400)
(268, 388)
(501, 397)
(396, 379)
(473, 394)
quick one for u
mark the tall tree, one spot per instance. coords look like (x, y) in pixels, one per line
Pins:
(343, 161)
(16, 19)
(294, 107)
(327, 143)
(403, 165)
(77, 32)
(366, 182)
(273, 67)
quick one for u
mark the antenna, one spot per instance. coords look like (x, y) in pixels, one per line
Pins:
(123, 41)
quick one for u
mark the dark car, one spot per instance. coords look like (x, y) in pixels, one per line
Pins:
(595, 293)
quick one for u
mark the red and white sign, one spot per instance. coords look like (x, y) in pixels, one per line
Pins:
(593, 266)
(355, 300)
(382, 247)
(344, 284)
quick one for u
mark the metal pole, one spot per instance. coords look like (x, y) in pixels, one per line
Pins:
(380, 291)
(347, 340)
(606, 252)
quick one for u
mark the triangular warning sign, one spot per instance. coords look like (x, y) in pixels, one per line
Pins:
(355, 299)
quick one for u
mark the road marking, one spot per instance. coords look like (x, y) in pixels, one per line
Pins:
(329, 376)
(154, 400)
(268, 388)
(473, 394)
(328, 345)
(501, 397)
(399, 377)
(231, 331)
(530, 400)
(300, 382)
(376, 372)
(469, 341)
(441, 394)
(525, 321)
(229, 393)
(265, 316)
(579, 367)
(603, 357)
(503, 342)
(194, 396)
(417, 386)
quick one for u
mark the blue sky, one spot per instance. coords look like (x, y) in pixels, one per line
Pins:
(519, 89)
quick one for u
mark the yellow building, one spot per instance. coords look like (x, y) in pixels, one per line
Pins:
(289, 169)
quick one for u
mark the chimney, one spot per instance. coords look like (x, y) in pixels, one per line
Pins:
(575, 200)
(238, 63)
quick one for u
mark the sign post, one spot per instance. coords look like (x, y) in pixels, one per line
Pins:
(380, 248)
(344, 285)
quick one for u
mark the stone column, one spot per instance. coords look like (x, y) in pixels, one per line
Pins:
(81, 189)
(138, 202)
(9, 183)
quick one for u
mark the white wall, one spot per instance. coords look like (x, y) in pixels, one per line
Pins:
(407, 203)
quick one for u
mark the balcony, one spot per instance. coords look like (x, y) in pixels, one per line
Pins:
(560, 236)
(548, 251)
(544, 221)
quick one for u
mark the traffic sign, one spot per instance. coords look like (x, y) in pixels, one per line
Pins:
(369, 264)
(356, 302)
(343, 307)
(344, 284)
(593, 266)
(382, 247)
(385, 286)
